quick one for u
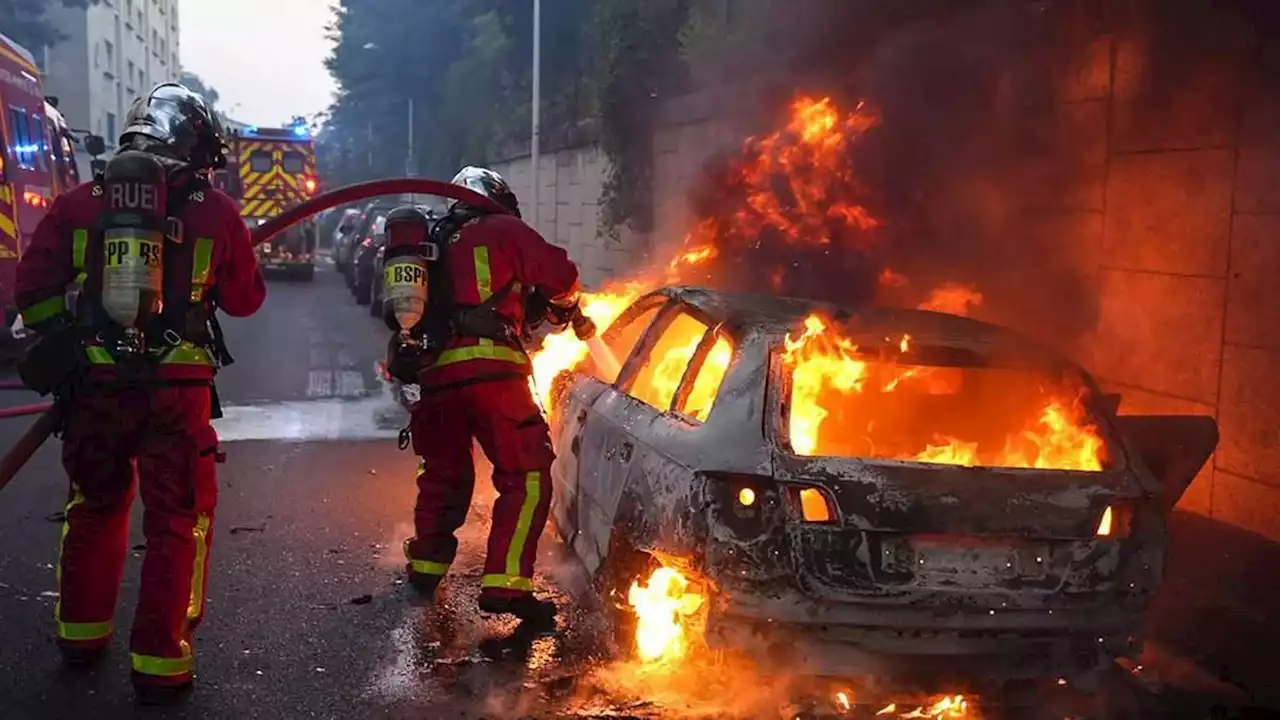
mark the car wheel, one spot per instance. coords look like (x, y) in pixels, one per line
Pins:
(364, 292)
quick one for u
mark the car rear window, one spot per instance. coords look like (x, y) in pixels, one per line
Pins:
(890, 403)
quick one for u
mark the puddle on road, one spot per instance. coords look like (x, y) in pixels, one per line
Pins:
(375, 417)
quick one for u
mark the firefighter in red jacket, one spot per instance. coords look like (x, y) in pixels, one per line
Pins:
(474, 378)
(153, 250)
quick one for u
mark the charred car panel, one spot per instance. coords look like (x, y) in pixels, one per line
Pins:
(906, 561)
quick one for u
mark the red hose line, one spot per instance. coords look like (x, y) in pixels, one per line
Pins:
(27, 446)
(24, 410)
(366, 190)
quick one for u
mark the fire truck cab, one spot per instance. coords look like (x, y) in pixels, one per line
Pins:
(37, 160)
(270, 170)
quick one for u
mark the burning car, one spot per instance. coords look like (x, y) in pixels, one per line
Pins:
(889, 492)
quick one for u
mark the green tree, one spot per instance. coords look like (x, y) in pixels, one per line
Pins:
(26, 21)
(465, 64)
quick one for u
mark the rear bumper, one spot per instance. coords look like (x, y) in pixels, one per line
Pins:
(918, 643)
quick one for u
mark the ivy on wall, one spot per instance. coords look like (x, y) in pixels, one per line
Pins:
(637, 43)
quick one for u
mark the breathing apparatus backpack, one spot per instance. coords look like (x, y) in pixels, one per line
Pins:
(139, 306)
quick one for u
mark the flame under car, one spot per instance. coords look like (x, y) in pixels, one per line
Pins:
(967, 503)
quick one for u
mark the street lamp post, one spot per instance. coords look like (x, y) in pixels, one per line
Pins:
(410, 167)
(537, 106)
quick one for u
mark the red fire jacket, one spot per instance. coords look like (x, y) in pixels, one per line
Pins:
(60, 253)
(486, 255)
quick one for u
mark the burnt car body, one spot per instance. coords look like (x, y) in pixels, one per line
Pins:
(918, 568)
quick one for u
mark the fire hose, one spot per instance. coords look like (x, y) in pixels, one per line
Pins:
(48, 420)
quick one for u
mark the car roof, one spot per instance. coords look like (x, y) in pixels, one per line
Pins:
(775, 316)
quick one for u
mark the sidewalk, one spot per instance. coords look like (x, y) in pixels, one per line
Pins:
(1219, 607)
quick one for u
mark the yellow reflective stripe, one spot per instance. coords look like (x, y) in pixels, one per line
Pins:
(484, 280)
(532, 494)
(77, 498)
(428, 567)
(481, 352)
(200, 266)
(507, 582)
(84, 631)
(165, 667)
(186, 354)
(79, 241)
(44, 310)
(200, 533)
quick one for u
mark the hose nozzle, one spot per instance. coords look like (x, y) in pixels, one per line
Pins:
(583, 326)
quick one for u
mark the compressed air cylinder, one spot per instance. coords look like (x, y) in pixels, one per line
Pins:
(405, 271)
(405, 289)
(133, 235)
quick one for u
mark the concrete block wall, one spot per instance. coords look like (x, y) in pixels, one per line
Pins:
(1190, 247)
(569, 210)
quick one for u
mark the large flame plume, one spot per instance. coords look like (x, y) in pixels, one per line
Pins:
(828, 370)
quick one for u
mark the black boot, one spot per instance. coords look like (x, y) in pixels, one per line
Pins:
(536, 612)
(81, 657)
(425, 584)
(156, 694)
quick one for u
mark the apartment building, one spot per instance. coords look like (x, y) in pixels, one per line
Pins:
(116, 49)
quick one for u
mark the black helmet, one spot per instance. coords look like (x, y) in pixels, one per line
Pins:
(175, 122)
(489, 184)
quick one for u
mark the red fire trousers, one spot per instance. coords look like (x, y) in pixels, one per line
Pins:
(502, 417)
(166, 434)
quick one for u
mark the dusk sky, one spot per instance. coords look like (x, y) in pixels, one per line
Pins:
(264, 57)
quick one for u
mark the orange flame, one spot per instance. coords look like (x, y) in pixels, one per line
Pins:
(663, 607)
(827, 370)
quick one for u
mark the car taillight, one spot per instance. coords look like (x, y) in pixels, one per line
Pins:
(367, 242)
(812, 504)
(1115, 522)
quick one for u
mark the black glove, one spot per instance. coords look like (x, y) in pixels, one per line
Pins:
(560, 316)
(403, 361)
(54, 363)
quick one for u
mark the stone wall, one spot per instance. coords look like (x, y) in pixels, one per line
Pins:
(1159, 175)
(569, 209)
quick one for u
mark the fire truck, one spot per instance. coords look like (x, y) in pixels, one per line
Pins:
(37, 161)
(270, 170)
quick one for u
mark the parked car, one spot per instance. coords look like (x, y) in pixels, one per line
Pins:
(364, 234)
(344, 238)
(362, 264)
(854, 557)
(379, 258)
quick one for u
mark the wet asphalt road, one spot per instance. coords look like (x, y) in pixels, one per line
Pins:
(307, 613)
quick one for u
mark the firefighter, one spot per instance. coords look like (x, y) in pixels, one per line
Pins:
(153, 250)
(474, 380)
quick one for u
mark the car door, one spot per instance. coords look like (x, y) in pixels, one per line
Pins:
(576, 448)
(660, 394)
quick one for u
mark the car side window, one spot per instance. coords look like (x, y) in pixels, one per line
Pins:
(701, 384)
(663, 366)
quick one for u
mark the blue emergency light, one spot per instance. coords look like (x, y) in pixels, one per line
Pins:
(300, 130)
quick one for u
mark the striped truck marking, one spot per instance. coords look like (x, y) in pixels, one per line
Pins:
(10, 235)
(267, 194)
